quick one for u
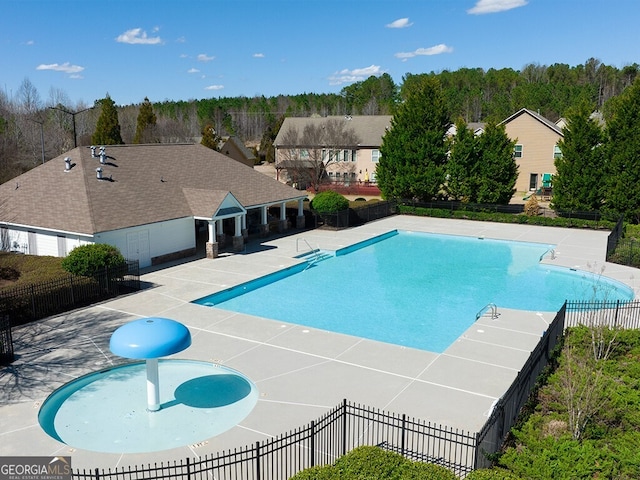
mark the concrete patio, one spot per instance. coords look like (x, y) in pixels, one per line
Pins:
(300, 372)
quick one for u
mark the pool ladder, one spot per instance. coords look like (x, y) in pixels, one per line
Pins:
(494, 311)
(314, 251)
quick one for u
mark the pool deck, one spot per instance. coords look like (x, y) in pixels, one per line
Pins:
(300, 372)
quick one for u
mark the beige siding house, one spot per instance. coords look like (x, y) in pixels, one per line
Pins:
(536, 148)
(348, 154)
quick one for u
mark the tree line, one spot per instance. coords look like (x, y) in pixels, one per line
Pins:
(31, 130)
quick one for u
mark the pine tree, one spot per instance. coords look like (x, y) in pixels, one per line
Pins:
(108, 128)
(623, 154)
(463, 165)
(210, 137)
(145, 124)
(579, 180)
(414, 150)
(498, 170)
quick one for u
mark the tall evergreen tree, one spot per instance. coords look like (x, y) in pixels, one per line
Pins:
(579, 180)
(498, 170)
(413, 151)
(108, 127)
(623, 154)
(463, 165)
(145, 123)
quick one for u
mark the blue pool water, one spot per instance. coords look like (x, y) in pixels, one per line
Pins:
(106, 411)
(415, 289)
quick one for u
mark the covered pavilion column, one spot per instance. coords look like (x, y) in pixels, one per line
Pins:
(238, 239)
(245, 230)
(212, 244)
(300, 222)
(220, 233)
(264, 225)
(282, 224)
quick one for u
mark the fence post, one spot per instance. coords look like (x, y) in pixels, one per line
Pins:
(404, 427)
(344, 426)
(257, 460)
(615, 318)
(188, 468)
(312, 444)
(97, 474)
(73, 302)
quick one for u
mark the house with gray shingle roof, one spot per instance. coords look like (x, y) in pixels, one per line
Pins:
(147, 200)
(536, 148)
(347, 155)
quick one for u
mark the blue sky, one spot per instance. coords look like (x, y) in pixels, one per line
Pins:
(194, 49)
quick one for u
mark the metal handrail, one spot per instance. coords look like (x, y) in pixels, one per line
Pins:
(494, 311)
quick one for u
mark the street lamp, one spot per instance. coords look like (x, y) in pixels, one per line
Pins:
(73, 116)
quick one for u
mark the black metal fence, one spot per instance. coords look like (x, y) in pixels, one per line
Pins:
(357, 215)
(608, 314)
(6, 341)
(506, 410)
(321, 442)
(35, 301)
(614, 237)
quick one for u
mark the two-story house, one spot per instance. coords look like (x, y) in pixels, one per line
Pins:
(536, 148)
(340, 149)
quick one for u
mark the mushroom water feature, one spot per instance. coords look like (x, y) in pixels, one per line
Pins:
(149, 339)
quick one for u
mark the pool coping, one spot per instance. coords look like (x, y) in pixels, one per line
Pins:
(300, 372)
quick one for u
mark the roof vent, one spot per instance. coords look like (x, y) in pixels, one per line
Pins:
(103, 156)
(102, 150)
(67, 164)
(347, 117)
(99, 173)
(93, 151)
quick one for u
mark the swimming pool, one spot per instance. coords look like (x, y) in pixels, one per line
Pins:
(413, 289)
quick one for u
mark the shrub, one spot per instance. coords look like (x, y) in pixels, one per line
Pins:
(492, 474)
(329, 202)
(87, 260)
(374, 463)
(532, 207)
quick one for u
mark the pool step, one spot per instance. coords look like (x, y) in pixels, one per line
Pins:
(316, 256)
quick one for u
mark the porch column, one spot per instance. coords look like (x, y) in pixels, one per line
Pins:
(220, 233)
(300, 222)
(264, 226)
(282, 224)
(245, 230)
(238, 239)
(211, 245)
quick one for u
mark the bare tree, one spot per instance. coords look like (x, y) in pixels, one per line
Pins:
(308, 153)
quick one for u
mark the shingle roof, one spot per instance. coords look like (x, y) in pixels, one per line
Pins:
(369, 129)
(141, 184)
(535, 115)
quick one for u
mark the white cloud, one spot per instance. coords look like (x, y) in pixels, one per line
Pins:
(400, 23)
(184, 55)
(31, 42)
(137, 36)
(435, 50)
(494, 6)
(65, 67)
(75, 76)
(181, 40)
(203, 57)
(214, 87)
(193, 70)
(258, 55)
(355, 75)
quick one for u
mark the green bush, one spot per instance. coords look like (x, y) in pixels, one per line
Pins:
(329, 202)
(492, 474)
(87, 260)
(374, 463)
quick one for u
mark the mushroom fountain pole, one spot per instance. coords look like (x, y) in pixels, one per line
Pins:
(149, 339)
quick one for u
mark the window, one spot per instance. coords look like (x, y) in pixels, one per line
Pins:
(375, 155)
(557, 153)
(533, 181)
(345, 155)
(304, 154)
(517, 151)
(353, 176)
(354, 154)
